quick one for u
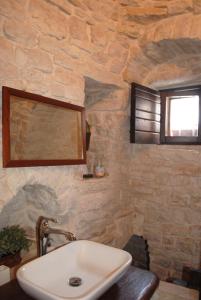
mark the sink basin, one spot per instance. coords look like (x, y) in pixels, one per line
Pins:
(94, 266)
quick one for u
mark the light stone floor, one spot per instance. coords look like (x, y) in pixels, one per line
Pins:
(169, 291)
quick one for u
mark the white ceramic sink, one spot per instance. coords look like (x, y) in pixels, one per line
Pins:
(99, 266)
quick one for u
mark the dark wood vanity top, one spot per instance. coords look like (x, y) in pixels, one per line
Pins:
(136, 284)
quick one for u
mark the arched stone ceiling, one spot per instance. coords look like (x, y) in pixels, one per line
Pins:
(168, 54)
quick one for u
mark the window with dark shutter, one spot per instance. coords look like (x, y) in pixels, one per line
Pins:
(145, 115)
(171, 116)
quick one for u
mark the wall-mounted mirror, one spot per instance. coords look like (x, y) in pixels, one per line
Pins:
(39, 131)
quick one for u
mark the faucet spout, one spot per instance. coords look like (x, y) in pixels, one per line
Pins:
(68, 235)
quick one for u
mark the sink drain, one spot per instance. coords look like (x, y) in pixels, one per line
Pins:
(75, 281)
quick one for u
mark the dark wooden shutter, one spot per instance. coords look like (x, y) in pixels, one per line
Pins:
(145, 115)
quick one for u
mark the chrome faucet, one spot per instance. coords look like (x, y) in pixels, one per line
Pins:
(43, 230)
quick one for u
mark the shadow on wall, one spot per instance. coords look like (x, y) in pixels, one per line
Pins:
(96, 91)
(106, 106)
(31, 201)
(166, 63)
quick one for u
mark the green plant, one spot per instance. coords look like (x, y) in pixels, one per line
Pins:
(13, 239)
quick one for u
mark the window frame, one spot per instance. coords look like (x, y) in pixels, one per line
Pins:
(179, 140)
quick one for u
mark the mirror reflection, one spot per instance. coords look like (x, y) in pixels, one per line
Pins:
(41, 131)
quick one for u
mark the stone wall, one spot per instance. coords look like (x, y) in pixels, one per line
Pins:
(165, 183)
(56, 48)
(165, 180)
(167, 51)
(85, 52)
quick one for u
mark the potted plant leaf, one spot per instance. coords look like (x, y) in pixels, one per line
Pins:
(13, 239)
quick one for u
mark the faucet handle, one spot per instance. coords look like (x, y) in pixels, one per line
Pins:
(52, 220)
(46, 219)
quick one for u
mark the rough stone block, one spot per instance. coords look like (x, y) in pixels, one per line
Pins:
(186, 246)
(99, 35)
(110, 10)
(1, 25)
(116, 66)
(197, 6)
(116, 49)
(180, 7)
(100, 57)
(48, 19)
(64, 60)
(195, 230)
(8, 71)
(57, 90)
(20, 32)
(74, 95)
(148, 11)
(6, 50)
(195, 27)
(162, 261)
(13, 8)
(77, 3)
(182, 26)
(49, 43)
(38, 87)
(145, 15)
(33, 75)
(92, 5)
(78, 29)
(39, 60)
(132, 30)
(20, 57)
(62, 5)
(68, 77)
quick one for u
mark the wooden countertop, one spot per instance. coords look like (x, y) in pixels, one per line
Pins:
(136, 284)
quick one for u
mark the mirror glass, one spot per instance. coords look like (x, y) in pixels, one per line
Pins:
(41, 131)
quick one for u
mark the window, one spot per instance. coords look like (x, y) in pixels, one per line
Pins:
(182, 118)
(165, 117)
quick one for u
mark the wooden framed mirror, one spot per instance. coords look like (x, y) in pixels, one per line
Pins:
(40, 131)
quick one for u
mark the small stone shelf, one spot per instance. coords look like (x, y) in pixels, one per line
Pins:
(95, 178)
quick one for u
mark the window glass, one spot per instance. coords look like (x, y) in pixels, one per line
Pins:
(182, 116)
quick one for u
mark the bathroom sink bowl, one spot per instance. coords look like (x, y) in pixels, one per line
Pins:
(93, 267)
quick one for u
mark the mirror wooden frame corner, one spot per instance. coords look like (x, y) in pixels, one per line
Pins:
(7, 92)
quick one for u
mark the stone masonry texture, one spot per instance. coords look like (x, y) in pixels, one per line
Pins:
(87, 52)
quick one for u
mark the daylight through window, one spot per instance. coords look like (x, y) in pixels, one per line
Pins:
(183, 116)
